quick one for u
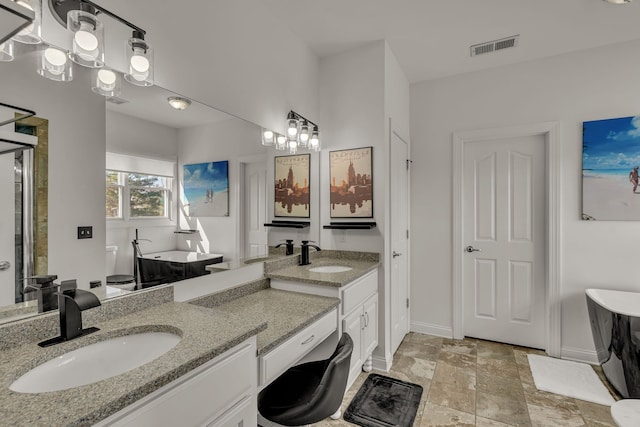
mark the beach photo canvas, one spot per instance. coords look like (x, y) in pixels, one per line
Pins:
(206, 189)
(351, 193)
(610, 162)
(292, 186)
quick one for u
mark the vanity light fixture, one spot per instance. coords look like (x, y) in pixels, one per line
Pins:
(87, 37)
(298, 135)
(55, 65)
(618, 1)
(179, 103)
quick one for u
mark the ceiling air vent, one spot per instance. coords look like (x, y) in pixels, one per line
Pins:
(494, 46)
(116, 100)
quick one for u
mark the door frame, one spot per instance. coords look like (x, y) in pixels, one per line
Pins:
(242, 161)
(553, 192)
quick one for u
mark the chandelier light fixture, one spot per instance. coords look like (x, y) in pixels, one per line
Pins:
(301, 132)
(86, 31)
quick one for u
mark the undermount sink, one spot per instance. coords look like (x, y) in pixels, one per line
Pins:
(96, 362)
(330, 269)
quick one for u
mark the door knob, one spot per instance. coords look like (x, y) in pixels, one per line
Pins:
(4, 265)
(395, 254)
(471, 249)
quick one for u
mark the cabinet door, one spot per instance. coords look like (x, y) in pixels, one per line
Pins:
(370, 332)
(243, 414)
(353, 324)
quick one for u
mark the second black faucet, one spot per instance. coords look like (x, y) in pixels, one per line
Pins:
(304, 255)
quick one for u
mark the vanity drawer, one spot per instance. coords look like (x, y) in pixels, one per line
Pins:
(358, 291)
(286, 354)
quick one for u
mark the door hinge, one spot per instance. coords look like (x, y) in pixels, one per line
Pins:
(409, 161)
(407, 233)
(407, 302)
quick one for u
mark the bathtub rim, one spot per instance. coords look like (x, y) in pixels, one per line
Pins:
(620, 302)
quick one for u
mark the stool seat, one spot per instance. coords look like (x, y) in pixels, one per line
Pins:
(120, 279)
(626, 412)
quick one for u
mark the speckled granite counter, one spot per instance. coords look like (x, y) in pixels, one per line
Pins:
(288, 268)
(285, 313)
(205, 334)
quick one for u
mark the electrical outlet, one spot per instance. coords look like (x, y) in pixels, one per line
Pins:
(85, 232)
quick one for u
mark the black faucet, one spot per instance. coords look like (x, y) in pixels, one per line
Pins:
(289, 246)
(304, 256)
(71, 303)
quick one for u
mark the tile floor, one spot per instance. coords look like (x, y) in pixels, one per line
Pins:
(479, 383)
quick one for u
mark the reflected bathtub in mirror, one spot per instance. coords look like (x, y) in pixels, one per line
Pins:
(615, 324)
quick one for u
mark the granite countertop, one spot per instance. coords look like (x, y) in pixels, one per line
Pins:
(205, 334)
(288, 268)
(286, 313)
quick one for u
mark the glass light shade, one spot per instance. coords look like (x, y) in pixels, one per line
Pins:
(618, 1)
(106, 83)
(6, 51)
(140, 62)
(32, 33)
(268, 137)
(292, 128)
(303, 137)
(314, 141)
(88, 39)
(55, 65)
(293, 146)
(281, 142)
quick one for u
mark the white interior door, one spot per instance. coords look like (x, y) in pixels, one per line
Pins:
(7, 230)
(399, 241)
(504, 232)
(255, 209)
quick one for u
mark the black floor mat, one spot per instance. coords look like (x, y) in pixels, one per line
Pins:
(384, 402)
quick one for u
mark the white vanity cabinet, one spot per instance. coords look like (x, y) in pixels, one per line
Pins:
(220, 393)
(358, 313)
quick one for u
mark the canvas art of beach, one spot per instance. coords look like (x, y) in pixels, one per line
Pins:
(206, 189)
(610, 161)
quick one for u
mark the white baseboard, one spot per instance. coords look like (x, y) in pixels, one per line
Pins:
(381, 363)
(431, 329)
(579, 355)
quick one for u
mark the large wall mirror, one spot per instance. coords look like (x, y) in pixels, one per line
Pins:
(82, 129)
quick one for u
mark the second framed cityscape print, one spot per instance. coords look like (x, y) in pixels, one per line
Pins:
(351, 193)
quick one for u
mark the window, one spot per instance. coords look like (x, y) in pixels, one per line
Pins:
(137, 196)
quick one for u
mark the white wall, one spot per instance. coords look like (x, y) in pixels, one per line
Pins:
(360, 91)
(76, 164)
(231, 140)
(142, 138)
(588, 85)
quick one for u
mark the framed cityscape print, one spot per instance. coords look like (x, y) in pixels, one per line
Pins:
(610, 161)
(206, 189)
(292, 186)
(351, 193)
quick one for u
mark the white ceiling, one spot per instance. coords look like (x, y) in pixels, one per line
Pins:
(431, 38)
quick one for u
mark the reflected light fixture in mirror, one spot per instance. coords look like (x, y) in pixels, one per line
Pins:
(86, 30)
(618, 1)
(179, 103)
(6, 51)
(32, 33)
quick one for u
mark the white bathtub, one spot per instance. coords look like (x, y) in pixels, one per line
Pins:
(181, 256)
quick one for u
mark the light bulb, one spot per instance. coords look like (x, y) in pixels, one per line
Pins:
(139, 62)
(107, 79)
(281, 139)
(268, 135)
(293, 144)
(292, 130)
(85, 38)
(55, 60)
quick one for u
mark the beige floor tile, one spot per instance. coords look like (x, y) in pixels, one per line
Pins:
(592, 412)
(413, 368)
(459, 360)
(553, 417)
(544, 399)
(498, 384)
(494, 349)
(450, 374)
(503, 408)
(486, 422)
(454, 397)
(420, 350)
(440, 416)
(465, 346)
(498, 367)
